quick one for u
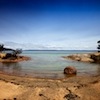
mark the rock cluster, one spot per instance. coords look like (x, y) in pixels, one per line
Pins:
(96, 57)
(14, 59)
(91, 57)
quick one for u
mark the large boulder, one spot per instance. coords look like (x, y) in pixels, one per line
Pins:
(70, 70)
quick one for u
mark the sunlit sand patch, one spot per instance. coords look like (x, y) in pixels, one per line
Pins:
(9, 90)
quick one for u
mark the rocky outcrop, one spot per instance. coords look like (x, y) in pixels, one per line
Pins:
(96, 57)
(70, 70)
(2, 55)
(91, 57)
(8, 57)
(15, 59)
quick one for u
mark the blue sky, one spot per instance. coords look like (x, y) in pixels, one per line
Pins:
(50, 24)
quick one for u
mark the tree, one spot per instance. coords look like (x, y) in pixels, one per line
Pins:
(17, 51)
(1, 47)
(98, 46)
(98, 41)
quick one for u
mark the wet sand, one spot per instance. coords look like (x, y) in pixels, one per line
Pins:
(72, 88)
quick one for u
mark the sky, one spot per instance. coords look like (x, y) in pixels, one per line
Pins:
(50, 24)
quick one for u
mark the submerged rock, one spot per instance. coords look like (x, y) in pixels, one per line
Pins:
(70, 70)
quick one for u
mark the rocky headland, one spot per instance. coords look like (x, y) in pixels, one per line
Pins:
(11, 58)
(11, 55)
(90, 57)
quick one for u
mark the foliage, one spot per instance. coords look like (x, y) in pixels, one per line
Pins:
(98, 41)
(98, 46)
(1, 47)
(17, 51)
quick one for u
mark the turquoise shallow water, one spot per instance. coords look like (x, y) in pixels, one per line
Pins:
(49, 64)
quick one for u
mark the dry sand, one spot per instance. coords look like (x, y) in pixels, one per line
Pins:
(72, 88)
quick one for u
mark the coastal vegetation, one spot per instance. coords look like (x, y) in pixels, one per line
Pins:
(98, 46)
(11, 55)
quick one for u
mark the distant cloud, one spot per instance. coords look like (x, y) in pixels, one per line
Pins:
(27, 46)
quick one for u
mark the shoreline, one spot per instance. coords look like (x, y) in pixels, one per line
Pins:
(27, 88)
(46, 76)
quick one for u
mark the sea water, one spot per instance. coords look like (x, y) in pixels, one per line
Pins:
(49, 64)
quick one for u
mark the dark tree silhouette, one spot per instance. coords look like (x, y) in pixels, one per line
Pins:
(98, 41)
(1, 47)
(14, 52)
(98, 46)
(17, 51)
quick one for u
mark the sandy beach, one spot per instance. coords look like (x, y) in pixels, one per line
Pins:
(84, 87)
(72, 88)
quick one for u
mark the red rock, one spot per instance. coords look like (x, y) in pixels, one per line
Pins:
(70, 70)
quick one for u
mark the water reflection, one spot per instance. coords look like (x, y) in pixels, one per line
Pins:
(48, 69)
(11, 68)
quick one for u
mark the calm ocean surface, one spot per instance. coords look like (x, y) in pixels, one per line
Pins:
(49, 64)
